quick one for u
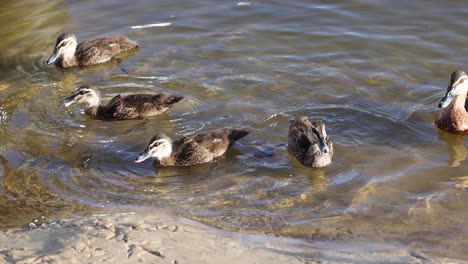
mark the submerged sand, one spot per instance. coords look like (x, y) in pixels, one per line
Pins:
(145, 238)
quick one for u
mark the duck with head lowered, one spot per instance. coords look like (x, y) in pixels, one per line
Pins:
(68, 53)
(133, 106)
(309, 143)
(454, 118)
(190, 150)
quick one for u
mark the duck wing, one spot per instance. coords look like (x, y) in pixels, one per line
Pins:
(155, 104)
(102, 49)
(142, 105)
(114, 108)
(216, 142)
(302, 142)
(133, 106)
(186, 151)
(205, 147)
(92, 55)
(127, 107)
(300, 136)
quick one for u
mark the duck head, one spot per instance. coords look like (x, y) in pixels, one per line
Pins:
(65, 46)
(159, 147)
(84, 94)
(458, 84)
(318, 130)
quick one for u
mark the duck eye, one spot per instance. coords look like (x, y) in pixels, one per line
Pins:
(62, 44)
(155, 144)
(462, 80)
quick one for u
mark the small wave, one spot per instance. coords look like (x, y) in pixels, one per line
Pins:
(194, 103)
(152, 25)
(159, 78)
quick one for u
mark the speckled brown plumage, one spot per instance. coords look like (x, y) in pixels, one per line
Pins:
(132, 106)
(454, 116)
(304, 143)
(68, 54)
(191, 150)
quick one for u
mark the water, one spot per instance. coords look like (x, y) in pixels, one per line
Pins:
(373, 71)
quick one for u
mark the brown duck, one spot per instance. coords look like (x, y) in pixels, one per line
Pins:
(68, 54)
(122, 107)
(190, 150)
(309, 143)
(454, 118)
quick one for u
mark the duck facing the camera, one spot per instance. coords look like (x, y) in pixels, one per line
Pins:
(309, 143)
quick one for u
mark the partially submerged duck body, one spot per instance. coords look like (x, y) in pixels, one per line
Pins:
(134, 106)
(190, 150)
(67, 53)
(454, 117)
(309, 143)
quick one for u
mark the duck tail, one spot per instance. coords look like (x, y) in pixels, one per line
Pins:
(237, 133)
(167, 99)
(172, 99)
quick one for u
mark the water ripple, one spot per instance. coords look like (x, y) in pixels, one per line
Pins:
(372, 71)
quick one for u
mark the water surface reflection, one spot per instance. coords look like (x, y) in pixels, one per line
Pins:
(373, 71)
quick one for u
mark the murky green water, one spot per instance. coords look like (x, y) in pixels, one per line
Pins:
(373, 71)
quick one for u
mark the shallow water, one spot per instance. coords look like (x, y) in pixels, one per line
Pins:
(372, 71)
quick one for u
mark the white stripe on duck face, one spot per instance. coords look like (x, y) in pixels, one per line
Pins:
(460, 85)
(157, 142)
(65, 42)
(322, 128)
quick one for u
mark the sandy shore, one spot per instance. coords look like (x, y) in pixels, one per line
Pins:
(145, 238)
(128, 238)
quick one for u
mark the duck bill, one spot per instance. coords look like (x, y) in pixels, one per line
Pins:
(69, 100)
(447, 99)
(52, 57)
(143, 156)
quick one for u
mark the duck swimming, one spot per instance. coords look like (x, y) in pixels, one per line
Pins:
(67, 53)
(122, 107)
(190, 150)
(309, 143)
(454, 118)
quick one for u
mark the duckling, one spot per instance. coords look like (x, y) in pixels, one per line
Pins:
(68, 54)
(309, 143)
(122, 107)
(454, 117)
(190, 150)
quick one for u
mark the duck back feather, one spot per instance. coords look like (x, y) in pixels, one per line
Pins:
(103, 49)
(138, 105)
(201, 148)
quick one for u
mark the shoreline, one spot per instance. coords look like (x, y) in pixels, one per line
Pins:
(159, 238)
(127, 238)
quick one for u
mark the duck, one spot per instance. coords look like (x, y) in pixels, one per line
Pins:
(309, 143)
(454, 117)
(190, 150)
(67, 53)
(133, 106)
